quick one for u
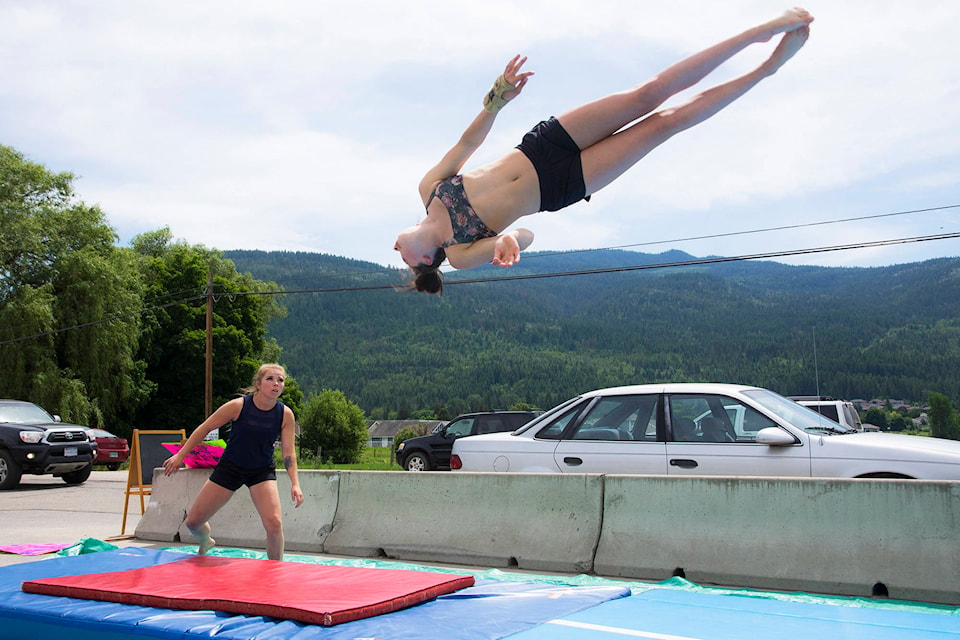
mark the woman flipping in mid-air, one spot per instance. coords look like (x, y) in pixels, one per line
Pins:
(565, 159)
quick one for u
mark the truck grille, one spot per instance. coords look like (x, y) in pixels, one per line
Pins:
(66, 435)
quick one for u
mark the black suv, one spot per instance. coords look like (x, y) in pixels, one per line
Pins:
(432, 452)
(32, 441)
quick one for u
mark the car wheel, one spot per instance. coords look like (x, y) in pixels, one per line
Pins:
(417, 462)
(78, 477)
(113, 466)
(10, 471)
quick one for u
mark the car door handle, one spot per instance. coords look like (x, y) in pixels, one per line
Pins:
(683, 463)
(573, 462)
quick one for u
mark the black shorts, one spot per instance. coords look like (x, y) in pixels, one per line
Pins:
(556, 158)
(232, 477)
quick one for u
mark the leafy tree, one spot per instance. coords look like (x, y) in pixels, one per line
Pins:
(333, 423)
(292, 395)
(69, 301)
(897, 422)
(173, 341)
(876, 416)
(943, 417)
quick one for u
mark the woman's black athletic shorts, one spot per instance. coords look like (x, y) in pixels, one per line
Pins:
(232, 477)
(556, 158)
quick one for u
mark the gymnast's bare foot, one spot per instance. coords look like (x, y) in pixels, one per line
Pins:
(210, 543)
(791, 43)
(791, 20)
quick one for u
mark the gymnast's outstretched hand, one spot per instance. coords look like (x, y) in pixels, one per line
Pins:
(506, 252)
(514, 76)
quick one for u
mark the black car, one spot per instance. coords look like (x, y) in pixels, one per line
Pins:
(32, 441)
(432, 452)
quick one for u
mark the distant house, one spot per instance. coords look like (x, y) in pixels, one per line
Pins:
(382, 432)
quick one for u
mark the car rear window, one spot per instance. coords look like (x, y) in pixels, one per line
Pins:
(828, 411)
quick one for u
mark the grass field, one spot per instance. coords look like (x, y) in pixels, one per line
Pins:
(372, 459)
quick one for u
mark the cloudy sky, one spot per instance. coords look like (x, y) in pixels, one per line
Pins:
(306, 125)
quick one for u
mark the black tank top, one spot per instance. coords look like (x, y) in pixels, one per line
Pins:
(253, 435)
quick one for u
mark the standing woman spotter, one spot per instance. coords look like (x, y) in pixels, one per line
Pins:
(566, 159)
(258, 418)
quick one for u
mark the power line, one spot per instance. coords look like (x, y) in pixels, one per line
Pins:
(752, 231)
(529, 276)
(676, 240)
(715, 259)
(92, 323)
(643, 267)
(151, 304)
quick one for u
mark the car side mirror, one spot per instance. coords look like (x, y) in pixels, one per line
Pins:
(775, 437)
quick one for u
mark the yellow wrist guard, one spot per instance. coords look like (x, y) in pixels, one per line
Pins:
(493, 101)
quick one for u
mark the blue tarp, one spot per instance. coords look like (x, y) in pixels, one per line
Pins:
(663, 613)
(490, 609)
(518, 606)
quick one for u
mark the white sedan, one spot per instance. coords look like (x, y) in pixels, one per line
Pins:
(702, 429)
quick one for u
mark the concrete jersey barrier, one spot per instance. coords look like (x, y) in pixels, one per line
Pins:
(837, 536)
(495, 520)
(844, 537)
(237, 523)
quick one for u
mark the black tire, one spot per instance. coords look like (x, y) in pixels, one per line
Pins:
(10, 471)
(113, 466)
(78, 477)
(417, 461)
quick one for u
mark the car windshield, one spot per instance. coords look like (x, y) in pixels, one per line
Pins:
(545, 416)
(796, 414)
(24, 414)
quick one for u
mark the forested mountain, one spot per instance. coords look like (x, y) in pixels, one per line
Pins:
(853, 332)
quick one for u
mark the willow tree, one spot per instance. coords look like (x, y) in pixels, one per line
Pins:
(173, 340)
(69, 300)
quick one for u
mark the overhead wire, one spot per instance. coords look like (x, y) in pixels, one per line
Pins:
(642, 267)
(716, 259)
(600, 270)
(110, 318)
(753, 231)
(648, 243)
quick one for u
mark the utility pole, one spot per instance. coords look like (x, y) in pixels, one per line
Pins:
(208, 370)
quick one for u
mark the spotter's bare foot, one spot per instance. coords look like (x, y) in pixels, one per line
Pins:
(206, 546)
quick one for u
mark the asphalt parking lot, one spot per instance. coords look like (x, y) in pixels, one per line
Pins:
(45, 509)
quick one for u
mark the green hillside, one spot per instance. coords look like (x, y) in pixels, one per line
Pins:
(868, 332)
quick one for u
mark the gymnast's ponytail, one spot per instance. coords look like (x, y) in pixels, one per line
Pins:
(427, 277)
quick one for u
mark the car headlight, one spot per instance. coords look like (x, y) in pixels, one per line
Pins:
(31, 437)
(400, 446)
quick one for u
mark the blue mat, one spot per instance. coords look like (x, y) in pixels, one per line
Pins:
(680, 615)
(490, 609)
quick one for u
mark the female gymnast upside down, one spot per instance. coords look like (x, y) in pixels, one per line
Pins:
(566, 159)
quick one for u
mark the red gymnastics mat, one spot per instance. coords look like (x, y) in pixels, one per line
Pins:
(313, 594)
